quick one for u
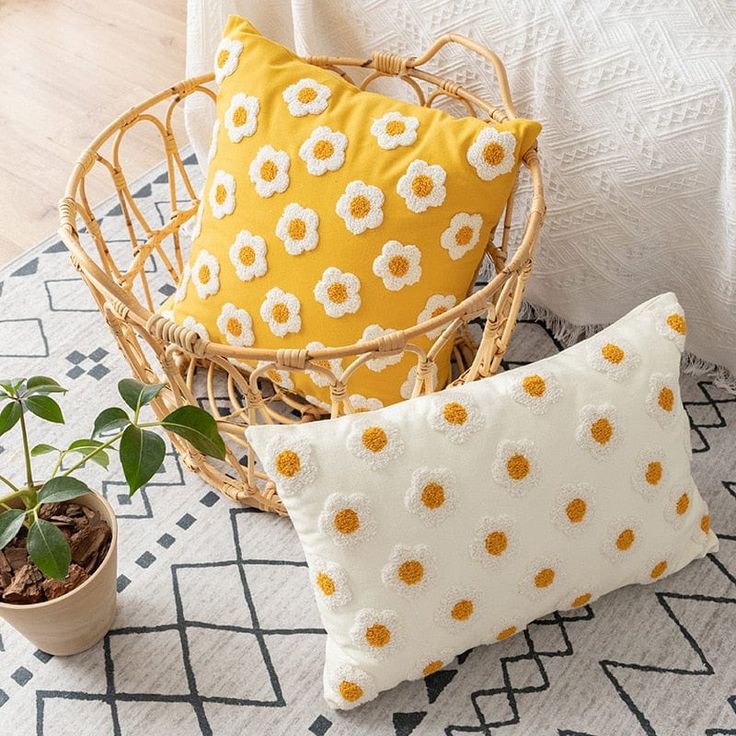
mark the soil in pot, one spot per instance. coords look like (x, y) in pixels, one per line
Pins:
(89, 538)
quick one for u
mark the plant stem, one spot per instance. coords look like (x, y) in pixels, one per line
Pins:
(26, 446)
(8, 483)
(84, 459)
(23, 493)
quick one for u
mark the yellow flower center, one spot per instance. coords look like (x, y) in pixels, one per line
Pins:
(433, 495)
(493, 153)
(395, 127)
(517, 466)
(288, 463)
(411, 572)
(464, 235)
(581, 600)
(576, 510)
(274, 375)
(280, 313)
(612, 353)
(534, 385)
(434, 665)
(268, 170)
(347, 521)
(222, 58)
(677, 323)
(653, 473)
(462, 610)
(375, 439)
(437, 312)
(297, 228)
(601, 431)
(240, 115)
(350, 691)
(496, 543)
(247, 255)
(544, 578)
(683, 504)
(422, 185)
(337, 293)
(658, 570)
(506, 633)
(323, 150)
(325, 583)
(220, 193)
(360, 206)
(455, 413)
(306, 95)
(204, 273)
(666, 398)
(625, 539)
(378, 635)
(705, 524)
(398, 266)
(234, 327)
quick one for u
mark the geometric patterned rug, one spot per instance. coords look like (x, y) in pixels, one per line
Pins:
(218, 633)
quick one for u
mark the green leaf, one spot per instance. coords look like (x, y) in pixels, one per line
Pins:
(11, 384)
(43, 449)
(9, 416)
(136, 394)
(43, 385)
(198, 428)
(10, 524)
(141, 455)
(49, 550)
(44, 407)
(87, 447)
(110, 419)
(62, 488)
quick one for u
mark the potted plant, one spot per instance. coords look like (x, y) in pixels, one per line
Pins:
(58, 539)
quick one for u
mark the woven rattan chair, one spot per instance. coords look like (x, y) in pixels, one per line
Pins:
(198, 370)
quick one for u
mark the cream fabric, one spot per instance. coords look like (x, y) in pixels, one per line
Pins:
(638, 145)
(455, 519)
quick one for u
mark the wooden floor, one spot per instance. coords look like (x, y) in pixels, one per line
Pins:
(67, 68)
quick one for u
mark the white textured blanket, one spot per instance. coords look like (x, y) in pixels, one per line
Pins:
(639, 147)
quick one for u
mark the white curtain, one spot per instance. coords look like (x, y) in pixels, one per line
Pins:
(638, 150)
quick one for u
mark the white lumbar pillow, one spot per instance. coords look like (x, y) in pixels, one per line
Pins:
(455, 519)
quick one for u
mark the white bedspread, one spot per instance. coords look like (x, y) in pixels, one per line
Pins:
(639, 149)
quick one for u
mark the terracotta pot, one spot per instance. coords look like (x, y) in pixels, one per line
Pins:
(75, 621)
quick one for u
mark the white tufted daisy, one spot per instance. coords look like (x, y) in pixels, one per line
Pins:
(456, 415)
(422, 186)
(407, 387)
(430, 664)
(206, 274)
(290, 464)
(658, 566)
(248, 256)
(671, 323)
(679, 506)
(306, 97)
(431, 494)
(347, 519)
(324, 150)
(335, 366)
(191, 324)
(297, 228)
(222, 194)
(350, 686)
(494, 541)
(650, 473)
(214, 139)
(377, 633)
(280, 311)
(338, 292)
(398, 265)
(269, 171)
(227, 57)
(236, 325)
(622, 539)
(436, 305)
(277, 376)
(378, 364)
(516, 466)
(573, 509)
(377, 442)
(459, 607)
(362, 403)
(462, 234)
(330, 582)
(394, 130)
(663, 399)
(536, 389)
(361, 206)
(409, 570)
(614, 357)
(241, 117)
(598, 430)
(542, 578)
(183, 285)
(492, 153)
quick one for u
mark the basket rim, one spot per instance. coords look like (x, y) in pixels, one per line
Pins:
(469, 307)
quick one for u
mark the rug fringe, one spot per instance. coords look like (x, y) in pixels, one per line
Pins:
(567, 333)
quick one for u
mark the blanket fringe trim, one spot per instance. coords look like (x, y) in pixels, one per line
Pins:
(567, 333)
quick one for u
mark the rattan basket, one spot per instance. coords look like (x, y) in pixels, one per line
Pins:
(211, 374)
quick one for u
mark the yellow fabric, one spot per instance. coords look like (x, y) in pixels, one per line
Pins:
(255, 233)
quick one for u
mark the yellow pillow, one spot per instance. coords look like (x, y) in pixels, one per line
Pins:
(331, 215)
